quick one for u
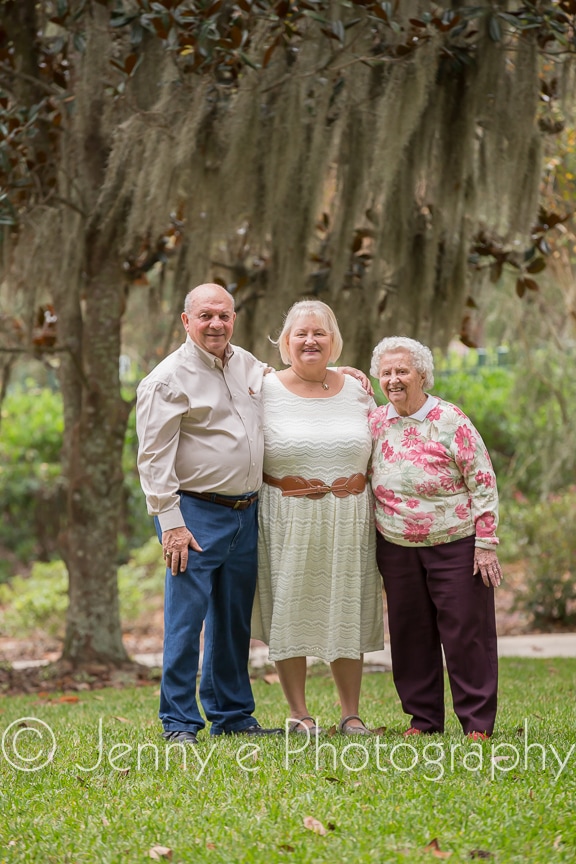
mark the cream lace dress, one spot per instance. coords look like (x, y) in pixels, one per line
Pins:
(319, 592)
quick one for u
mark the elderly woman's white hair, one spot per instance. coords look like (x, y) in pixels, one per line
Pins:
(422, 358)
(326, 319)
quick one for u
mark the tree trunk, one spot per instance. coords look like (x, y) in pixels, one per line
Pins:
(90, 307)
(94, 486)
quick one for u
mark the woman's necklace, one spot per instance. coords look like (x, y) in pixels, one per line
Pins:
(311, 381)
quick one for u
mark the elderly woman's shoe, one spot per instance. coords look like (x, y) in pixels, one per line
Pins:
(478, 736)
(346, 729)
(298, 726)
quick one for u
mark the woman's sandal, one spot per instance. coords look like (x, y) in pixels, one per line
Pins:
(345, 729)
(299, 727)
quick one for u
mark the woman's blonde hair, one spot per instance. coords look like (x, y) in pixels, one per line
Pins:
(309, 309)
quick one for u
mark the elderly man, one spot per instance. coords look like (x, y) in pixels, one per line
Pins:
(200, 462)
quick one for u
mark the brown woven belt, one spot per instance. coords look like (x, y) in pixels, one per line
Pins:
(298, 487)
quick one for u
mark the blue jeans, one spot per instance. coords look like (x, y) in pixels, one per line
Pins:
(217, 589)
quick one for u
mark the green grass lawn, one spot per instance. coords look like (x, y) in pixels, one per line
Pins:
(111, 791)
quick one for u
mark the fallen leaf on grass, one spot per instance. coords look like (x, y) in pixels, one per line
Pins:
(332, 731)
(210, 845)
(501, 758)
(158, 852)
(480, 853)
(557, 842)
(105, 822)
(45, 697)
(285, 847)
(271, 678)
(380, 730)
(434, 847)
(314, 825)
(121, 719)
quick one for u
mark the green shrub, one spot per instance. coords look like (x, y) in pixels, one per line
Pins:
(39, 601)
(31, 495)
(547, 541)
(545, 393)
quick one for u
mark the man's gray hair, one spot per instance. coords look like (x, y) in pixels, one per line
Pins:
(422, 358)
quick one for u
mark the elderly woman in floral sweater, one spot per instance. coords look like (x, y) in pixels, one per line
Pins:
(436, 514)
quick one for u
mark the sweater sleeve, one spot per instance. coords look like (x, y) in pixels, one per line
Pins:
(474, 462)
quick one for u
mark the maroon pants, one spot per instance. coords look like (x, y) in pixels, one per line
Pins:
(434, 602)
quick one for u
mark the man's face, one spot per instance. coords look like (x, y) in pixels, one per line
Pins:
(210, 323)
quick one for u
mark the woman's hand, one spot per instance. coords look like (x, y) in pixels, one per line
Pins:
(486, 561)
(359, 375)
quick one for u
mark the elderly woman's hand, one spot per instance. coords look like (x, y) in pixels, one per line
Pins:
(486, 561)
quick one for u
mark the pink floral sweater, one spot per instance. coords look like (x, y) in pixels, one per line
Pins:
(432, 477)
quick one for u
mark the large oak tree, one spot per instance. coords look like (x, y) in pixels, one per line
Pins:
(373, 154)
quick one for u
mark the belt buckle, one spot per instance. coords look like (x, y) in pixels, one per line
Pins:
(318, 489)
(243, 503)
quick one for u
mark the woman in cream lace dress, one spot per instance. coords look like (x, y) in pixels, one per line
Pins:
(319, 592)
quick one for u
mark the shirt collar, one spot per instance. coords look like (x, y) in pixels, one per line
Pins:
(419, 415)
(207, 358)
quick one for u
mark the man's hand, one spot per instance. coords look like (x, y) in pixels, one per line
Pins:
(486, 561)
(359, 375)
(175, 545)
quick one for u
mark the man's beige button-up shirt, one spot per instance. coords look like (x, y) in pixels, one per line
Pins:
(199, 428)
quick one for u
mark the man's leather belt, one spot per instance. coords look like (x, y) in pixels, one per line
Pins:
(298, 487)
(226, 501)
